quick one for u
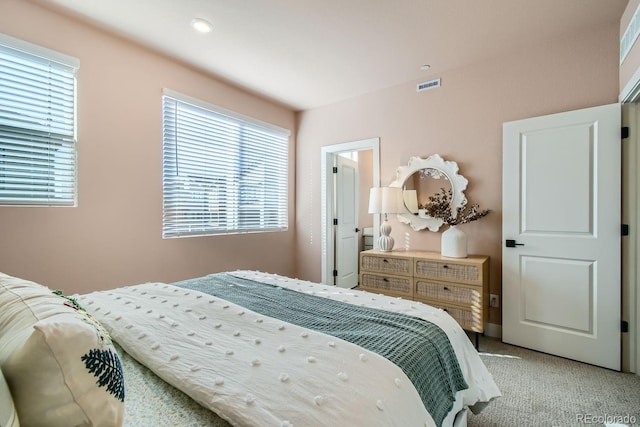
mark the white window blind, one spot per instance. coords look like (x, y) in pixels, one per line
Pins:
(222, 173)
(37, 125)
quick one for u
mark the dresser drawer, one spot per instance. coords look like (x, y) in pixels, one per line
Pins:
(387, 264)
(447, 292)
(458, 285)
(469, 318)
(392, 285)
(443, 270)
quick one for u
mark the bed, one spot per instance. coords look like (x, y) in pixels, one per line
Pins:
(248, 348)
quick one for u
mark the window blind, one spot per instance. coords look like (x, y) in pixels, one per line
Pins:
(222, 173)
(37, 125)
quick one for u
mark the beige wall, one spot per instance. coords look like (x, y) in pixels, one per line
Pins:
(114, 235)
(462, 121)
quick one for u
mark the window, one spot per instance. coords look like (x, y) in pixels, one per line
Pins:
(37, 125)
(222, 173)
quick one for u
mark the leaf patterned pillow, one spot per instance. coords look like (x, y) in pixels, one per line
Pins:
(60, 364)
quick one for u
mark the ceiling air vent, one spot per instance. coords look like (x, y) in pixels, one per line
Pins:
(630, 35)
(431, 84)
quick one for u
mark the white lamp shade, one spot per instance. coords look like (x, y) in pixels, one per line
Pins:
(411, 200)
(386, 200)
(375, 200)
(392, 201)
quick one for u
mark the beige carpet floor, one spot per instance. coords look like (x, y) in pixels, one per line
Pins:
(543, 390)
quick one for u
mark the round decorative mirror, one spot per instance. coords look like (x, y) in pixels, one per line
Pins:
(422, 178)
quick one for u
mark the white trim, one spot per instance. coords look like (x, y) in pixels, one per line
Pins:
(220, 110)
(326, 186)
(634, 241)
(631, 91)
(42, 52)
(634, 332)
(631, 352)
(630, 244)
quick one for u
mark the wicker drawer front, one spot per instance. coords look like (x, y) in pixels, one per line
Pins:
(448, 292)
(469, 273)
(391, 265)
(386, 284)
(469, 319)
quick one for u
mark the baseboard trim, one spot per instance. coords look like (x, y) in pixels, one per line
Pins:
(492, 330)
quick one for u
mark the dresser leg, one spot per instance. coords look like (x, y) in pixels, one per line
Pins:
(477, 342)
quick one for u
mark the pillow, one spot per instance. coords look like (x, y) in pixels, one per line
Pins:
(59, 362)
(8, 415)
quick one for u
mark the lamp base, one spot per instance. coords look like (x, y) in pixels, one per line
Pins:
(385, 242)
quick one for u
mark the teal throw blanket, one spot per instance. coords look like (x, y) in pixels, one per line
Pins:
(420, 348)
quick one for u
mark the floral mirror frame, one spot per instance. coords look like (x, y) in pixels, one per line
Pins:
(450, 171)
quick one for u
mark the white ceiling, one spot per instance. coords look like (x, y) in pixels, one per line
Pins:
(309, 53)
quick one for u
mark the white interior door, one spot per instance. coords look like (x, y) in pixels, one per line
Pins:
(347, 196)
(561, 209)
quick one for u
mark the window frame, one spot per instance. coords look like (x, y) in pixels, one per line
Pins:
(222, 175)
(60, 178)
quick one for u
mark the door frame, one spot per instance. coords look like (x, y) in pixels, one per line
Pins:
(328, 154)
(631, 243)
(630, 97)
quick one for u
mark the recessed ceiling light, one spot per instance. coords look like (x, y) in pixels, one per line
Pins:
(425, 67)
(201, 25)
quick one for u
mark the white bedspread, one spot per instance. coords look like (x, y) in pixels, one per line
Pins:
(257, 371)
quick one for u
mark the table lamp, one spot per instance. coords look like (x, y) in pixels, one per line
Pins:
(385, 200)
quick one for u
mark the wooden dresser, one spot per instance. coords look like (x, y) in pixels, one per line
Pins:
(458, 285)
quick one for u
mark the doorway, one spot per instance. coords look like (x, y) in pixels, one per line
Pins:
(347, 222)
(330, 253)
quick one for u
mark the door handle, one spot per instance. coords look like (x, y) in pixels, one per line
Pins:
(357, 229)
(512, 243)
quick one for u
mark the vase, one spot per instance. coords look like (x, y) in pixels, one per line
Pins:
(453, 243)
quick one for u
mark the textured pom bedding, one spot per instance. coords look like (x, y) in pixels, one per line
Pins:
(257, 370)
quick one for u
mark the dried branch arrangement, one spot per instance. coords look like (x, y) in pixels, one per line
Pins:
(439, 206)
